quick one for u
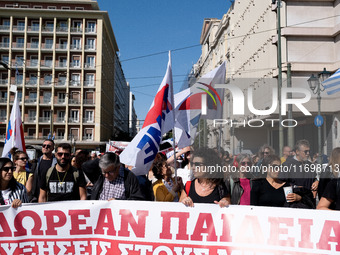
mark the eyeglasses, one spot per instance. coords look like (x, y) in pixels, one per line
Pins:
(246, 163)
(23, 158)
(109, 173)
(47, 146)
(266, 152)
(66, 155)
(7, 168)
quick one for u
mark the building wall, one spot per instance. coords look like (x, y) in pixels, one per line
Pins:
(66, 62)
(310, 42)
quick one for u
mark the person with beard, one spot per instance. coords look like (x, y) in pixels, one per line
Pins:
(46, 161)
(63, 182)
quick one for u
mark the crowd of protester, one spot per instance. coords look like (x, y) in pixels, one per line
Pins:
(60, 175)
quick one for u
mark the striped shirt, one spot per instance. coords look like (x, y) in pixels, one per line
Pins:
(18, 193)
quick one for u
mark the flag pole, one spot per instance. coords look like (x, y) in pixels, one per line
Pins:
(173, 129)
(15, 114)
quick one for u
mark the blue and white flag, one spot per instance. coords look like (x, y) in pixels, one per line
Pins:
(142, 150)
(332, 84)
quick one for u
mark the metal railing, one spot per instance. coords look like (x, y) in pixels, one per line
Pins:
(44, 119)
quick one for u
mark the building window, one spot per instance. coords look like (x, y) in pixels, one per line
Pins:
(75, 79)
(89, 116)
(51, 7)
(35, 26)
(48, 61)
(74, 116)
(76, 61)
(37, 7)
(90, 61)
(74, 134)
(31, 132)
(33, 61)
(23, 6)
(47, 79)
(32, 115)
(76, 43)
(77, 26)
(88, 133)
(79, 8)
(65, 8)
(91, 44)
(61, 97)
(89, 79)
(91, 27)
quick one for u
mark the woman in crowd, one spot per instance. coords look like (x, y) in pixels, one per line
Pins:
(240, 183)
(12, 192)
(165, 188)
(269, 191)
(21, 174)
(331, 196)
(206, 187)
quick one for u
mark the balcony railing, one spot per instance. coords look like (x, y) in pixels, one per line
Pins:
(32, 45)
(60, 120)
(3, 118)
(90, 30)
(75, 47)
(88, 137)
(88, 101)
(90, 65)
(60, 137)
(29, 137)
(88, 120)
(44, 119)
(19, 28)
(73, 101)
(3, 100)
(75, 83)
(47, 29)
(46, 101)
(89, 83)
(47, 46)
(90, 47)
(76, 29)
(61, 46)
(16, 45)
(30, 119)
(61, 64)
(30, 100)
(3, 81)
(75, 64)
(73, 120)
(62, 29)
(4, 45)
(60, 101)
(32, 63)
(33, 28)
(4, 27)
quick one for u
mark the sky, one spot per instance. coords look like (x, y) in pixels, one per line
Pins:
(146, 27)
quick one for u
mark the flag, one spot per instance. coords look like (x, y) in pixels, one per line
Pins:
(53, 137)
(15, 133)
(189, 102)
(49, 136)
(142, 150)
(332, 84)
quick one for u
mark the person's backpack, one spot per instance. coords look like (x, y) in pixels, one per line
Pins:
(50, 170)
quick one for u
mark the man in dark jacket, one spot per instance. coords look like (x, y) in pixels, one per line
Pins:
(116, 182)
(297, 170)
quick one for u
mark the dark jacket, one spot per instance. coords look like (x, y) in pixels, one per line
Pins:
(132, 188)
(237, 190)
(297, 173)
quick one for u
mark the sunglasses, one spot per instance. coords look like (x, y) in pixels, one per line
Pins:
(306, 151)
(60, 154)
(23, 158)
(246, 163)
(266, 152)
(47, 146)
(7, 168)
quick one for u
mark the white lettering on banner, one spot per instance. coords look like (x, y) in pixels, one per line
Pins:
(152, 228)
